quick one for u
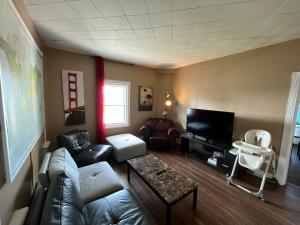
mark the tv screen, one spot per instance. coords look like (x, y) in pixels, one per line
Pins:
(215, 126)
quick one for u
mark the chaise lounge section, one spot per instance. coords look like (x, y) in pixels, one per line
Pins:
(92, 182)
(90, 195)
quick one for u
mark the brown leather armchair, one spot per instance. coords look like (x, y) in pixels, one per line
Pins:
(159, 133)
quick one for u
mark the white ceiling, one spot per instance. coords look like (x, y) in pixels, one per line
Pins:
(164, 33)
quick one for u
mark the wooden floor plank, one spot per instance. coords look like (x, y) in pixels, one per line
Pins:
(218, 203)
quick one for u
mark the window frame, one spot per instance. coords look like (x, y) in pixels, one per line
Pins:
(126, 107)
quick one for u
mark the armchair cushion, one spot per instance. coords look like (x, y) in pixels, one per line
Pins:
(159, 133)
(62, 163)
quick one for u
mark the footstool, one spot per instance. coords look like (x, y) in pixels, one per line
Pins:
(126, 146)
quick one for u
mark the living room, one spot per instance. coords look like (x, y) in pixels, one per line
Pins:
(221, 56)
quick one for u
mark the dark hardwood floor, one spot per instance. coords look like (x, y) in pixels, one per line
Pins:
(218, 203)
(294, 169)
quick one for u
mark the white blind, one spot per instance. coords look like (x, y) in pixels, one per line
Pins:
(116, 103)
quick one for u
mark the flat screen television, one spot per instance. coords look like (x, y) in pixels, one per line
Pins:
(214, 126)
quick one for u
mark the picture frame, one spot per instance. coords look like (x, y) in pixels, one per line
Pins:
(145, 102)
(73, 94)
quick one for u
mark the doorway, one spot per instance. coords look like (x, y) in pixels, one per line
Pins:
(294, 167)
(290, 120)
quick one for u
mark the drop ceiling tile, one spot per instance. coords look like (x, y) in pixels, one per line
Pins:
(64, 11)
(133, 7)
(239, 34)
(125, 34)
(219, 2)
(148, 41)
(200, 28)
(84, 8)
(50, 1)
(186, 4)
(139, 21)
(155, 6)
(108, 7)
(119, 22)
(217, 35)
(164, 40)
(180, 39)
(261, 32)
(32, 2)
(80, 25)
(211, 44)
(293, 29)
(41, 13)
(133, 43)
(161, 19)
(225, 25)
(105, 34)
(144, 33)
(64, 25)
(238, 10)
(217, 28)
(180, 46)
(182, 29)
(274, 21)
(289, 6)
(162, 31)
(295, 19)
(100, 24)
(248, 23)
(187, 16)
(198, 37)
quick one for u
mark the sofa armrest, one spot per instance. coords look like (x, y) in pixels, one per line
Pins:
(43, 172)
(172, 132)
(146, 132)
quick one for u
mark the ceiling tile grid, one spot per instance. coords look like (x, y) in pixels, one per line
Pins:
(164, 33)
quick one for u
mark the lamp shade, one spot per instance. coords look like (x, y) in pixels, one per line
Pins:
(168, 102)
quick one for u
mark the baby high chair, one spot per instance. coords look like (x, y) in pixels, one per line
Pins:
(253, 154)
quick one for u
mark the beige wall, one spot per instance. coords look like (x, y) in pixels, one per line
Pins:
(164, 84)
(253, 84)
(56, 60)
(18, 194)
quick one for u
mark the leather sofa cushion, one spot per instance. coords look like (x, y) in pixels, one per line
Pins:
(61, 162)
(98, 180)
(35, 211)
(120, 208)
(95, 153)
(63, 205)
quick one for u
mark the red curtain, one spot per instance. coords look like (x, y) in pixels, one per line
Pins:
(100, 126)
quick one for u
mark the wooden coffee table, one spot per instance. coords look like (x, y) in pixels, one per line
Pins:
(168, 184)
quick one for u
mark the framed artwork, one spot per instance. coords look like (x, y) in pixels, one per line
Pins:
(145, 98)
(73, 91)
(22, 113)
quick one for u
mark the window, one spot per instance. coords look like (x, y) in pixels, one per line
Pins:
(116, 103)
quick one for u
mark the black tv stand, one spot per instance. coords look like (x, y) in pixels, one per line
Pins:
(203, 151)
